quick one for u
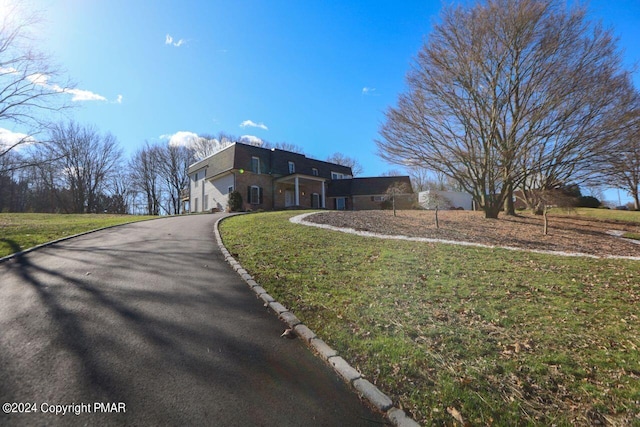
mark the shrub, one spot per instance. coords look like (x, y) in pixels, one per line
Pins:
(588, 202)
(235, 201)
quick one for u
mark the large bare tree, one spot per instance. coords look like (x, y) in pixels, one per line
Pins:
(29, 88)
(174, 163)
(621, 167)
(81, 161)
(344, 160)
(507, 92)
(145, 170)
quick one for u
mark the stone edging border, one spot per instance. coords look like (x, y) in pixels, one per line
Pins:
(366, 389)
(301, 219)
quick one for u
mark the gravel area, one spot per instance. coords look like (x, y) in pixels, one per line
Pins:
(566, 234)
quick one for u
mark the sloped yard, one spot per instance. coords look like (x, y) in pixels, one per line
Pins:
(492, 336)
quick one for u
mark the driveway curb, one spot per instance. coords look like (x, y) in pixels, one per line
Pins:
(376, 398)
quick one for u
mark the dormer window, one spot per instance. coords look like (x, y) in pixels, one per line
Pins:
(292, 167)
(314, 171)
(255, 165)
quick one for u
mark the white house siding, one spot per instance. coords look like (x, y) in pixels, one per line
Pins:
(218, 191)
(445, 199)
(199, 191)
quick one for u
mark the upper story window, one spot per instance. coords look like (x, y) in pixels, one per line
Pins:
(292, 167)
(195, 178)
(255, 164)
(314, 171)
(337, 175)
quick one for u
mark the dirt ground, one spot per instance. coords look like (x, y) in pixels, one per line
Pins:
(567, 234)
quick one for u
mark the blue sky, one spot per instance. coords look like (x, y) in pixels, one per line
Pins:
(317, 74)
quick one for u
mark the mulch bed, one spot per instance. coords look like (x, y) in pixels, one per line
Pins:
(566, 234)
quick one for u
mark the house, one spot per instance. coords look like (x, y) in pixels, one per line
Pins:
(272, 179)
(370, 193)
(266, 178)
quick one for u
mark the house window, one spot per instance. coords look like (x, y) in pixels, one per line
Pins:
(315, 200)
(314, 171)
(230, 189)
(292, 167)
(337, 175)
(255, 164)
(341, 203)
(255, 195)
(378, 198)
(196, 180)
(195, 205)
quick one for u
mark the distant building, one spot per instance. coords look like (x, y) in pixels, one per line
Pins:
(273, 179)
(370, 193)
(445, 200)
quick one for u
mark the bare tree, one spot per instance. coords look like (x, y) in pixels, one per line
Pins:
(621, 167)
(174, 163)
(343, 160)
(397, 189)
(81, 161)
(206, 145)
(145, 167)
(286, 146)
(506, 92)
(29, 93)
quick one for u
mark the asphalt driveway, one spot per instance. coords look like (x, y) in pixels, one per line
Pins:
(145, 324)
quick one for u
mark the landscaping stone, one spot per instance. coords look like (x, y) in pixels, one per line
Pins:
(400, 419)
(252, 283)
(345, 370)
(259, 290)
(322, 348)
(290, 319)
(373, 394)
(304, 332)
(277, 307)
(267, 298)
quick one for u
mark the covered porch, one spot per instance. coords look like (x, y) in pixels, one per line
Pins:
(298, 190)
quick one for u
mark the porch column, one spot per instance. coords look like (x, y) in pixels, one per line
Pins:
(297, 196)
(323, 204)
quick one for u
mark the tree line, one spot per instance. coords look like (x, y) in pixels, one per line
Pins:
(518, 98)
(77, 169)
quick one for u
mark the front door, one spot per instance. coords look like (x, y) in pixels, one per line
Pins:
(289, 198)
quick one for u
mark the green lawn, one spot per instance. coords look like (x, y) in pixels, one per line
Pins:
(600, 214)
(506, 338)
(20, 231)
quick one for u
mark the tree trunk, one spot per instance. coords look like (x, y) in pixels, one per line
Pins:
(491, 211)
(509, 206)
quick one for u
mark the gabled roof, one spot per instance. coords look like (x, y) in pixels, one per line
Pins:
(365, 186)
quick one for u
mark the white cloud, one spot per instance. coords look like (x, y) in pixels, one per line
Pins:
(169, 40)
(118, 100)
(84, 95)
(250, 123)
(9, 138)
(251, 140)
(368, 90)
(43, 80)
(181, 138)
